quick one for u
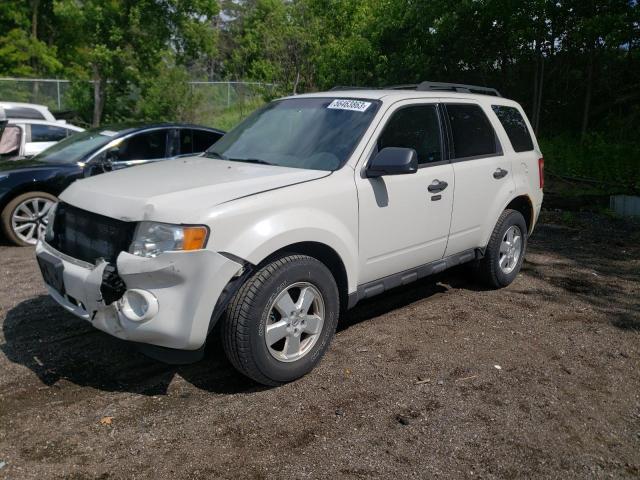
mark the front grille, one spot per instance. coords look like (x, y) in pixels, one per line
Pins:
(88, 236)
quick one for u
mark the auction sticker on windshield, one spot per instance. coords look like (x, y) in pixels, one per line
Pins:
(354, 105)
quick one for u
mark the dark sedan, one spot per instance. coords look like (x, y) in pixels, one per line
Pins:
(28, 188)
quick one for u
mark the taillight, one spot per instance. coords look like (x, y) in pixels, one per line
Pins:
(541, 171)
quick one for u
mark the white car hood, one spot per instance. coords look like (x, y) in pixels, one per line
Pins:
(181, 190)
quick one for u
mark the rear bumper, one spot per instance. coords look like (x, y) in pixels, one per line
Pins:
(186, 286)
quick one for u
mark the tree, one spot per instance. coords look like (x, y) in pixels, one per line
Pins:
(274, 43)
(117, 43)
(22, 53)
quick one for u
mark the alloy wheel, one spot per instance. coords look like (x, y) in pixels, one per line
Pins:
(29, 219)
(295, 321)
(510, 249)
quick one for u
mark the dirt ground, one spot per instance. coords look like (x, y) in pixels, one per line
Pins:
(437, 380)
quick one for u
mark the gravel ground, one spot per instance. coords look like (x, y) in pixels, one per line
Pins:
(437, 380)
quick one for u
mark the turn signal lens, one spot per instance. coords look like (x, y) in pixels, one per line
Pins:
(194, 238)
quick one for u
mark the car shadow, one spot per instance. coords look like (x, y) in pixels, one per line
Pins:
(458, 277)
(56, 346)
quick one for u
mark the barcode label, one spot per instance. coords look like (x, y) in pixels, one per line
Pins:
(354, 105)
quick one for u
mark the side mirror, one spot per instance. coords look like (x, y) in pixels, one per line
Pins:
(393, 161)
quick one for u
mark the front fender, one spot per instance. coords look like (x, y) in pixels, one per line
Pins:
(323, 211)
(277, 231)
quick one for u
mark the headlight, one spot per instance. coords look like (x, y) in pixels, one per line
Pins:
(151, 238)
(49, 219)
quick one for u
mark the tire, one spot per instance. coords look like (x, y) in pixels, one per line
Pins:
(254, 312)
(41, 198)
(494, 270)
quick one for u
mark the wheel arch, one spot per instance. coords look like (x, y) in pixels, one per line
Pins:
(523, 204)
(26, 188)
(325, 254)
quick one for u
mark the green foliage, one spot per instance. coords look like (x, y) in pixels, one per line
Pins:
(167, 96)
(615, 164)
(274, 43)
(24, 56)
(569, 219)
(228, 118)
(574, 65)
(120, 44)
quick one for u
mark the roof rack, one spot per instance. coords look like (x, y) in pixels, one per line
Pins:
(346, 87)
(442, 86)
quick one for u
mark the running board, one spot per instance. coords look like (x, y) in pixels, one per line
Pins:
(376, 287)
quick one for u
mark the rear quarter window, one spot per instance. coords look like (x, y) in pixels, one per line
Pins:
(24, 113)
(515, 126)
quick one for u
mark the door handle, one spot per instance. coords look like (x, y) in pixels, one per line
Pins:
(500, 173)
(437, 186)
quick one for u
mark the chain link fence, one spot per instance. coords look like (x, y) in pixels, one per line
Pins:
(223, 104)
(219, 103)
(44, 91)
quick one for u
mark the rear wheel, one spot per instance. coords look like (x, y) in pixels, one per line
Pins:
(24, 218)
(505, 252)
(282, 320)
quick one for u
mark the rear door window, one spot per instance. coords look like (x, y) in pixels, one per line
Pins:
(515, 126)
(472, 133)
(47, 133)
(414, 127)
(144, 146)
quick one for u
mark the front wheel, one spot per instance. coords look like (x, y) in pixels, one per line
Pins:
(505, 251)
(24, 218)
(281, 321)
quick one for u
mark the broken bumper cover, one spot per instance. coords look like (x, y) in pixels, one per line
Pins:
(185, 285)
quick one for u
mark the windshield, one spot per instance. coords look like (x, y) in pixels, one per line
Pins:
(76, 147)
(311, 133)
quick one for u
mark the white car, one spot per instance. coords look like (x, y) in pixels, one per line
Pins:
(312, 204)
(31, 111)
(24, 138)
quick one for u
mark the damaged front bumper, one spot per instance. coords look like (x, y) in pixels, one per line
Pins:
(166, 301)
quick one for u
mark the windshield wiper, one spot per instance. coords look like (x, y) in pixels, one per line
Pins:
(212, 154)
(251, 160)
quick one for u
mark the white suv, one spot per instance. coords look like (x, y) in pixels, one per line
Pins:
(312, 204)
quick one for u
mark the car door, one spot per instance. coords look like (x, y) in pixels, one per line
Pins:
(483, 173)
(402, 224)
(144, 147)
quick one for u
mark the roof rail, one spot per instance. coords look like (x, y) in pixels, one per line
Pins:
(443, 86)
(431, 86)
(408, 86)
(346, 87)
